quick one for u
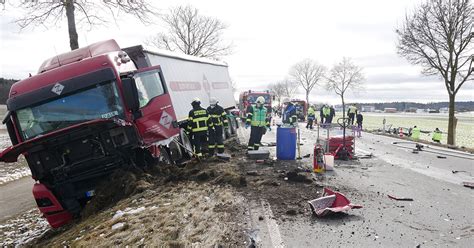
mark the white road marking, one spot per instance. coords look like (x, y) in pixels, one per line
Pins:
(273, 230)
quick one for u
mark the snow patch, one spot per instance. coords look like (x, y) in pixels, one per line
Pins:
(127, 211)
(13, 174)
(118, 226)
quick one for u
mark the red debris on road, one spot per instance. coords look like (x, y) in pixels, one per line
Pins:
(331, 202)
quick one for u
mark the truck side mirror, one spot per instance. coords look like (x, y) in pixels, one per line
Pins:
(130, 93)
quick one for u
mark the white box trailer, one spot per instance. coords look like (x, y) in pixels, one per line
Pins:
(187, 77)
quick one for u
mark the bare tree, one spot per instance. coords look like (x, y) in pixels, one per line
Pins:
(439, 37)
(278, 90)
(191, 33)
(289, 88)
(91, 13)
(344, 76)
(307, 74)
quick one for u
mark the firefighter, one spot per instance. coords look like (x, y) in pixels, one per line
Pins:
(218, 117)
(311, 117)
(327, 113)
(321, 114)
(437, 135)
(415, 133)
(198, 124)
(360, 119)
(290, 116)
(351, 113)
(258, 121)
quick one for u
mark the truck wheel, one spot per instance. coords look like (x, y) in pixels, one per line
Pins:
(232, 125)
(175, 151)
(186, 142)
(165, 157)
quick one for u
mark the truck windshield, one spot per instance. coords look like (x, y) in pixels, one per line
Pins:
(253, 98)
(99, 101)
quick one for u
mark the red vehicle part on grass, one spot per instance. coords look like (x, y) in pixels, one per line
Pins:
(331, 202)
(49, 205)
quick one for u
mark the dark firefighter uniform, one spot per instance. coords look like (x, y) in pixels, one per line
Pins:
(198, 123)
(218, 118)
(258, 121)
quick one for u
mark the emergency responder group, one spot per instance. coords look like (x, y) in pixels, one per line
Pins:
(206, 126)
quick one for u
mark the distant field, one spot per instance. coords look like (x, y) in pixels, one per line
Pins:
(426, 122)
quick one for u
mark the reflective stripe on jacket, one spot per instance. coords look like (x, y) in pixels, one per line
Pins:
(257, 117)
(217, 115)
(198, 120)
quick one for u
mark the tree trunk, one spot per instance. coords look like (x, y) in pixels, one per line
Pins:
(307, 97)
(71, 23)
(343, 107)
(451, 123)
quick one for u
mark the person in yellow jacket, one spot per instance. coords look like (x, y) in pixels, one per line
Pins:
(415, 133)
(311, 117)
(258, 121)
(437, 135)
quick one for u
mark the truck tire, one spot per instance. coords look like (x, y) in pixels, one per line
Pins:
(176, 153)
(186, 142)
(165, 157)
(232, 125)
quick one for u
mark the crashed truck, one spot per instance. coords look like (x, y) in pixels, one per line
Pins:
(93, 110)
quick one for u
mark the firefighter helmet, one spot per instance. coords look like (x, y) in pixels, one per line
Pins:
(213, 101)
(196, 101)
(260, 100)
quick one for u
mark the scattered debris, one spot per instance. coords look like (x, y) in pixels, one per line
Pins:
(307, 155)
(291, 212)
(253, 173)
(468, 184)
(297, 177)
(456, 171)
(415, 151)
(365, 156)
(400, 198)
(258, 154)
(331, 202)
(223, 156)
(440, 156)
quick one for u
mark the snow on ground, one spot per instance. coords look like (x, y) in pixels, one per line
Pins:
(14, 171)
(23, 229)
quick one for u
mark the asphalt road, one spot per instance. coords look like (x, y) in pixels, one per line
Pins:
(16, 198)
(440, 215)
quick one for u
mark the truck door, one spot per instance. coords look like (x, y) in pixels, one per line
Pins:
(157, 112)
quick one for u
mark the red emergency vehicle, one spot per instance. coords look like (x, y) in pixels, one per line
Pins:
(249, 97)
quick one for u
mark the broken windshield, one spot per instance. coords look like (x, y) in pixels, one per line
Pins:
(100, 101)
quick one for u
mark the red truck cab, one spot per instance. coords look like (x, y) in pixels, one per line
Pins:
(85, 114)
(249, 97)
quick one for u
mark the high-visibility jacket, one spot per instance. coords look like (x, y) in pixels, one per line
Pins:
(415, 133)
(217, 116)
(437, 136)
(198, 120)
(352, 110)
(326, 111)
(311, 112)
(257, 117)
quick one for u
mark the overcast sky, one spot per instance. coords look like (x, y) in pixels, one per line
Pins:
(268, 37)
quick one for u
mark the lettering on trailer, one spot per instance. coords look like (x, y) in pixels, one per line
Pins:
(206, 85)
(185, 86)
(220, 85)
(166, 120)
(57, 89)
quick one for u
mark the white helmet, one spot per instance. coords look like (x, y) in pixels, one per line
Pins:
(213, 101)
(260, 100)
(196, 101)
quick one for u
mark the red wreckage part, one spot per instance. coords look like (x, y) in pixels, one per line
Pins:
(49, 205)
(331, 202)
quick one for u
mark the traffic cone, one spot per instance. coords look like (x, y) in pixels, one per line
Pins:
(400, 132)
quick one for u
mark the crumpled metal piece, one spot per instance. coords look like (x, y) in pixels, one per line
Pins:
(331, 202)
